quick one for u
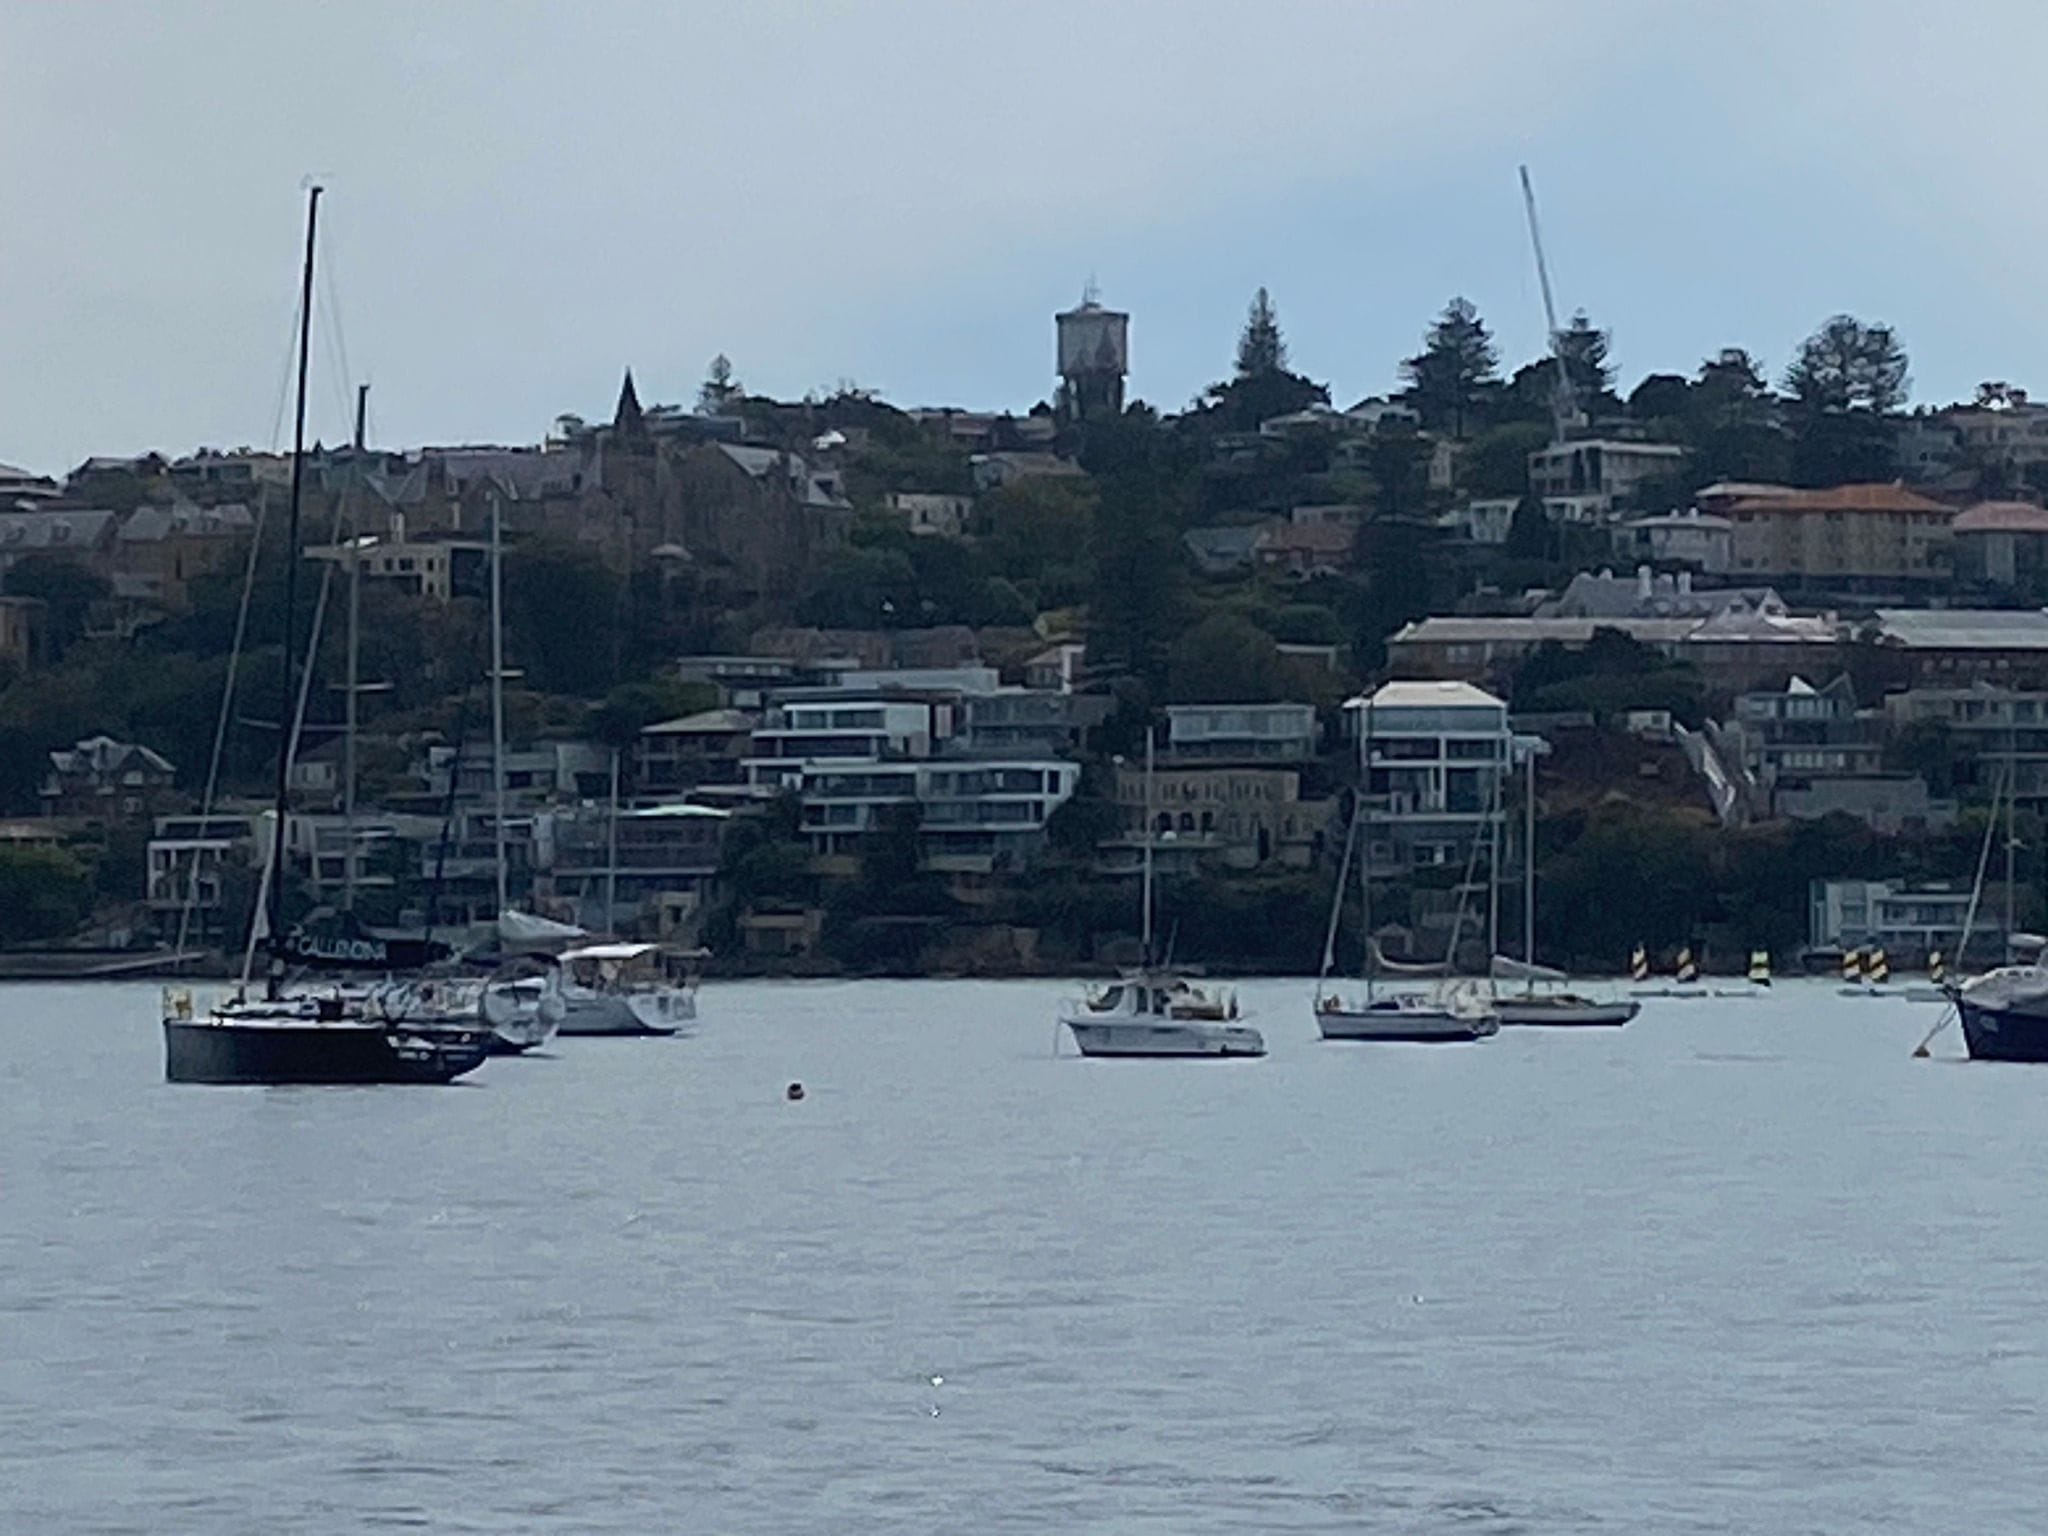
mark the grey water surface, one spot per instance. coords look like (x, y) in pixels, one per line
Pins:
(1741, 1267)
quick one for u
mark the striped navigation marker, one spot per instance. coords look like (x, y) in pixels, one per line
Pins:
(1852, 965)
(1639, 964)
(1760, 967)
(1937, 967)
(1688, 968)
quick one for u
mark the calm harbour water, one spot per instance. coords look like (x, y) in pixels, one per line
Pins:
(1740, 1267)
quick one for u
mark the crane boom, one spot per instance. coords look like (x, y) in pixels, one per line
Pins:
(1563, 404)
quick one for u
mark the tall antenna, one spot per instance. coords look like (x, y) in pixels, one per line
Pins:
(1563, 404)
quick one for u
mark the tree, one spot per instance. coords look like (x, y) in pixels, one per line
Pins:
(45, 893)
(1845, 366)
(1447, 378)
(1584, 350)
(719, 389)
(1135, 602)
(1227, 660)
(1260, 349)
(1397, 458)
(1530, 535)
(561, 616)
(68, 590)
(1661, 397)
(1496, 462)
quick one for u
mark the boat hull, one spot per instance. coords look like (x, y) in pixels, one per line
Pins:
(2005, 1033)
(1143, 1037)
(1564, 1012)
(1413, 1026)
(628, 1014)
(243, 1051)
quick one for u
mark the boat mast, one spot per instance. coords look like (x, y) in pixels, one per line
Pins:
(1365, 845)
(1146, 941)
(355, 617)
(498, 705)
(611, 853)
(1529, 858)
(291, 589)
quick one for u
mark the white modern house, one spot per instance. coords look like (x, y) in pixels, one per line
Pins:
(1438, 754)
(1240, 733)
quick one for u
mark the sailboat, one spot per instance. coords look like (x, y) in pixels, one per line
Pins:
(1542, 998)
(1450, 1014)
(1153, 1011)
(2004, 1012)
(391, 1033)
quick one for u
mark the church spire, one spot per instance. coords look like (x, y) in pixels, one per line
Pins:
(627, 420)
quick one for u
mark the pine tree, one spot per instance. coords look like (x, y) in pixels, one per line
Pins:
(1457, 361)
(1261, 350)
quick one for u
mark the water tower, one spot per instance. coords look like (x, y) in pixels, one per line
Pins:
(1094, 356)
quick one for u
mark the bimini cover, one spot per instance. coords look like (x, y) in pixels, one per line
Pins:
(523, 930)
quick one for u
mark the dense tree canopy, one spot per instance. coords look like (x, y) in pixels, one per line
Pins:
(1448, 377)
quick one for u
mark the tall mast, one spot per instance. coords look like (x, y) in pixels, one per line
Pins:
(1365, 843)
(1529, 857)
(2011, 800)
(355, 619)
(611, 853)
(1146, 950)
(291, 587)
(498, 703)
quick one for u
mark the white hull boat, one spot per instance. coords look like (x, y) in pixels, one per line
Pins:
(1154, 1015)
(1540, 1000)
(1405, 1017)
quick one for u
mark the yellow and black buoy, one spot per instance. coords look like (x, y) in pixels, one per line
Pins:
(1880, 970)
(1937, 967)
(1688, 968)
(1760, 967)
(1852, 966)
(1639, 964)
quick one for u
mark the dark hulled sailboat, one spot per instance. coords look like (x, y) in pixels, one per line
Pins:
(379, 1034)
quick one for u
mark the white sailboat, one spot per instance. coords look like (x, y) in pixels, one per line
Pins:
(1536, 994)
(1452, 1012)
(1153, 1011)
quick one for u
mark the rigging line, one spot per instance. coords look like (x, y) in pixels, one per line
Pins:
(227, 702)
(337, 345)
(284, 382)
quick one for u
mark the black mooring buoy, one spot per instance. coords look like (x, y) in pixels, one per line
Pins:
(793, 1092)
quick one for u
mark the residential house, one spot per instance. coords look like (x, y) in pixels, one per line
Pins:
(1991, 732)
(641, 874)
(2001, 547)
(1733, 650)
(676, 756)
(1238, 818)
(1590, 476)
(1956, 647)
(974, 816)
(434, 568)
(19, 485)
(1058, 668)
(932, 513)
(1696, 540)
(1303, 550)
(1437, 755)
(993, 471)
(536, 773)
(1854, 538)
(1482, 520)
(1224, 550)
(107, 780)
(1907, 921)
(1648, 595)
(1024, 722)
(83, 534)
(1240, 733)
(159, 551)
(1810, 752)
(187, 866)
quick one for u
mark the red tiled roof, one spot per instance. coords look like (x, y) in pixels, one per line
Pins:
(1887, 497)
(2002, 517)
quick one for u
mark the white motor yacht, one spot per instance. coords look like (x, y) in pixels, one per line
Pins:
(623, 989)
(1151, 1013)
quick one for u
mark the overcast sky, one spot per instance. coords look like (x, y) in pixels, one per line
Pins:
(525, 199)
